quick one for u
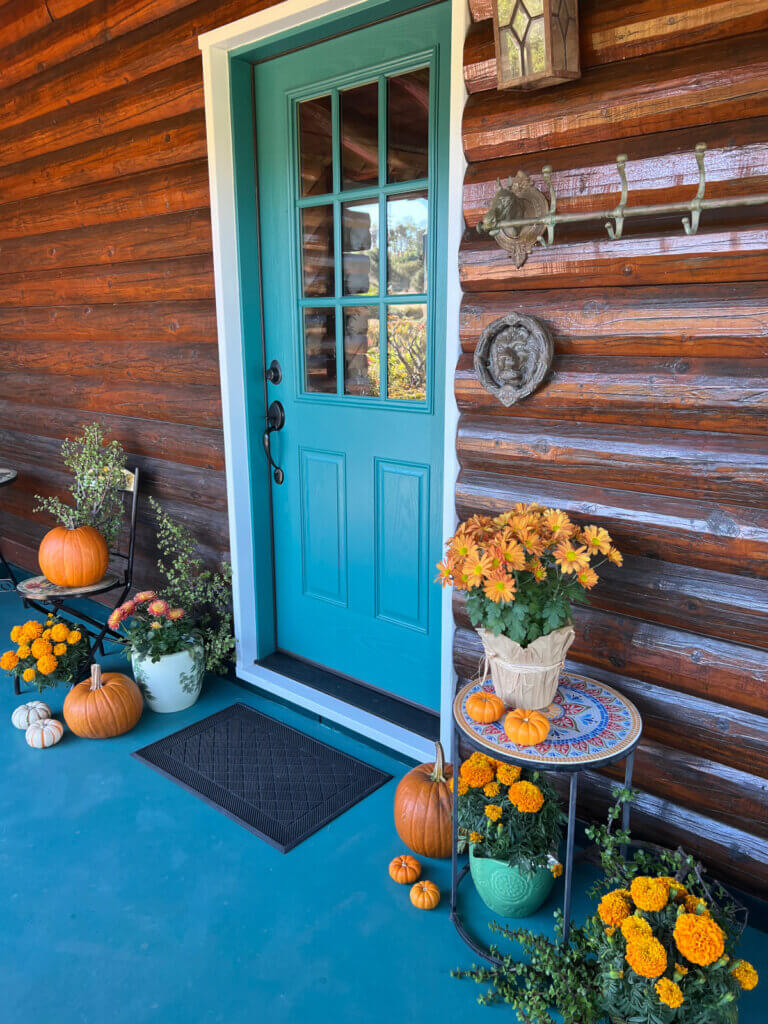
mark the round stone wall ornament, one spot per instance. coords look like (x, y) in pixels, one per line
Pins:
(513, 357)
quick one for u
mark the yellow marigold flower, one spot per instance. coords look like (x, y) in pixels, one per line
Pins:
(60, 632)
(556, 869)
(695, 905)
(526, 796)
(745, 974)
(475, 837)
(699, 939)
(493, 811)
(646, 956)
(9, 661)
(46, 634)
(634, 927)
(507, 774)
(613, 908)
(676, 889)
(41, 647)
(477, 771)
(47, 664)
(74, 636)
(463, 787)
(23, 652)
(32, 630)
(60, 650)
(679, 969)
(649, 893)
(17, 635)
(28, 675)
(669, 993)
(491, 789)
(610, 931)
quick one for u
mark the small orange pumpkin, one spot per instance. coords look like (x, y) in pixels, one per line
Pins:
(485, 707)
(73, 558)
(425, 895)
(526, 728)
(108, 704)
(404, 869)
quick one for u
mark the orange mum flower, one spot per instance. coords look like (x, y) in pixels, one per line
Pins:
(613, 908)
(745, 974)
(646, 956)
(526, 796)
(571, 559)
(597, 540)
(669, 993)
(493, 811)
(587, 578)
(700, 939)
(649, 893)
(615, 556)
(478, 569)
(512, 554)
(508, 774)
(558, 524)
(531, 540)
(499, 588)
(41, 647)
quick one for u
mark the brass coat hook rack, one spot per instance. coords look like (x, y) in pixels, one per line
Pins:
(520, 215)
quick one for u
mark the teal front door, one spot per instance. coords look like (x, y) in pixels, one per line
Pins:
(352, 166)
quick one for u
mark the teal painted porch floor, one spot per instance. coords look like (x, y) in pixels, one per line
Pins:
(126, 899)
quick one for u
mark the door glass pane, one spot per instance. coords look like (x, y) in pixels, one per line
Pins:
(360, 241)
(360, 136)
(317, 251)
(407, 352)
(320, 350)
(315, 146)
(407, 244)
(408, 126)
(361, 350)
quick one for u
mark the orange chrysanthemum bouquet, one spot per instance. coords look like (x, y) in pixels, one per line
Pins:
(522, 571)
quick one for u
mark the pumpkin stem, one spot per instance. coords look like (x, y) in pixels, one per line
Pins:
(438, 772)
(96, 683)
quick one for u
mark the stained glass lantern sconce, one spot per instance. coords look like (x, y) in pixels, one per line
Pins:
(537, 42)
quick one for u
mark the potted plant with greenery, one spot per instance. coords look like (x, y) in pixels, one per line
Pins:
(521, 572)
(512, 823)
(76, 553)
(46, 654)
(177, 634)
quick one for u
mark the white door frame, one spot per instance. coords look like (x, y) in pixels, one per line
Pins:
(217, 46)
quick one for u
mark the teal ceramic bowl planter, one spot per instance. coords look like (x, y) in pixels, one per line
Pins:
(509, 891)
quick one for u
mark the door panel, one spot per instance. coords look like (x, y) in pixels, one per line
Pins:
(352, 160)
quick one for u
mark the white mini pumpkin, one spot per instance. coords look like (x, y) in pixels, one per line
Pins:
(26, 714)
(45, 733)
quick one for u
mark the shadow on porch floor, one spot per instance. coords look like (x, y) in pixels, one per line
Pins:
(127, 899)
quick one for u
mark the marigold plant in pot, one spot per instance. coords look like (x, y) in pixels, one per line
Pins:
(46, 654)
(512, 823)
(521, 572)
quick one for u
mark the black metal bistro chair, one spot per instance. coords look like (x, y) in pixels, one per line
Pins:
(39, 593)
(8, 580)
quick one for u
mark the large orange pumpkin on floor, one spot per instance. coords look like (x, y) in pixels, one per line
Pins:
(423, 804)
(526, 728)
(108, 704)
(485, 707)
(73, 558)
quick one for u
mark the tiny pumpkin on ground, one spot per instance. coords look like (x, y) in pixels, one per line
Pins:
(404, 869)
(25, 714)
(485, 707)
(425, 895)
(526, 728)
(45, 732)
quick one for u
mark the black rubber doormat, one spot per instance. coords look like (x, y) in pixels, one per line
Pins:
(272, 779)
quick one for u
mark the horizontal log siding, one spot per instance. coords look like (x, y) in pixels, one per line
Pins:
(653, 419)
(106, 280)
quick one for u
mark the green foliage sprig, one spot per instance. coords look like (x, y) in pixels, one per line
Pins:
(98, 468)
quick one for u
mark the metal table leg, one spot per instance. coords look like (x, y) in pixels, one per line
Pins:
(569, 854)
(455, 816)
(629, 765)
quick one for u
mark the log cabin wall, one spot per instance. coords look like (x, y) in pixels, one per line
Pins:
(653, 421)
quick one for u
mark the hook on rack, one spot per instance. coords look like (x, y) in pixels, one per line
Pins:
(550, 239)
(616, 229)
(691, 226)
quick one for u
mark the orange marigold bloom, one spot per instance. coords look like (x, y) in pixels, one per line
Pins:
(745, 974)
(556, 869)
(60, 650)
(700, 939)
(47, 664)
(571, 559)
(615, 556)
(500, 588)
(526, 796)
(17, 635)
(596, 539)
(74, 637)
(23, 652)
(669, 993)
(32, 630)
(28, 675)
(649, 893)
(9, 661)
(695, 905)
(491, 789)
(477, 771)
(613, 908)
(493, 811)
(646, 956)
(634, 927)
(475, 837)
(46, 634)
(463, 786)
(587, 578)
(41, 647)
(508, 774)
(59, 632)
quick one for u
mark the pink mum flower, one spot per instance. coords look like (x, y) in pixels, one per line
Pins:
(128, 609)
(158, 607)
(144, 596)
(176, 613)
(115, 618)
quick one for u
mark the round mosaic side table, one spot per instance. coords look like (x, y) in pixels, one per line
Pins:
(592, 725)
(7, 578)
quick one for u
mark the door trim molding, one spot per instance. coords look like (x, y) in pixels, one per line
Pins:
(217, 47)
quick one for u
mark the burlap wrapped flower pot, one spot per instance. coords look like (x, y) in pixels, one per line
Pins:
(526, 677)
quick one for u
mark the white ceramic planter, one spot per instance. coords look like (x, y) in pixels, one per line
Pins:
(172, 683)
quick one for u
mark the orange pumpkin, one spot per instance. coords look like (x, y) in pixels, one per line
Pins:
(485, 707)
(526, 728)
(404, 869)
(108, 704)
(423, 804)
(73, 558)
(425, 895)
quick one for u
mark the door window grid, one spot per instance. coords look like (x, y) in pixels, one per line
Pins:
(339, 301)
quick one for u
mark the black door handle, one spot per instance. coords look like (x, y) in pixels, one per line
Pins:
(275, 421)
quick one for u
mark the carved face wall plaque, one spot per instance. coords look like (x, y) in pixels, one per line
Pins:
(513, 357)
